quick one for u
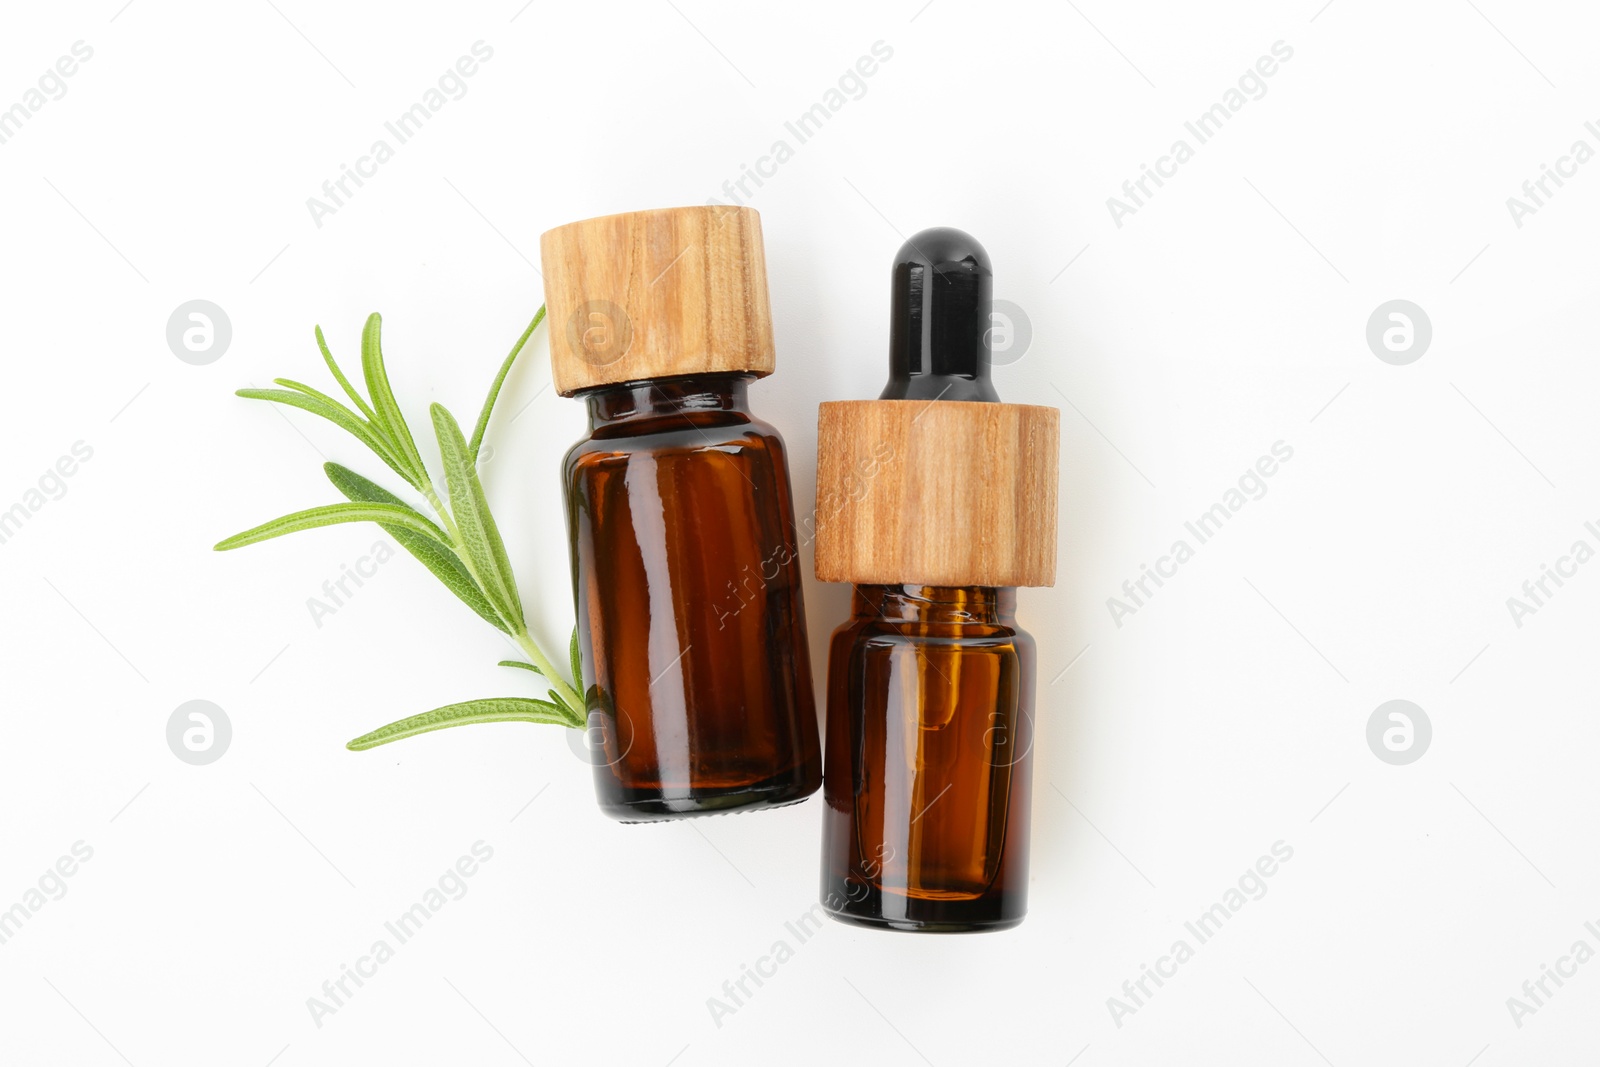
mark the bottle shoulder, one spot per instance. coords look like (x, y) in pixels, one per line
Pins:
(884, 633)
(675, 437)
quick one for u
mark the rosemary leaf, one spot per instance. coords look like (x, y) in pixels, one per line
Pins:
(307, 399)
(471, 512)
(388, 414)
(577, 661)
(494, 390)
(444, 563)
(496, 709)
(519, 664)
(344, 383)
(331, 514)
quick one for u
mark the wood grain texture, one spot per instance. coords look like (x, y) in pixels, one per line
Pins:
(649, 294)
(936, 493)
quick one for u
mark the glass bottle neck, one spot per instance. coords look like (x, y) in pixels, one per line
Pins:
(935, 603)
(617, 405)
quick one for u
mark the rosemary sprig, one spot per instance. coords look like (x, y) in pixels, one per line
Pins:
(463, 549)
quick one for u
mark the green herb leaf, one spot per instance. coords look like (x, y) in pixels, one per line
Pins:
(470, 559)
(577, 661)
(331, 514)
(471, 511)
(496, 709)
(444, 563)
(307, 399)
(499, 379)
(388, 414)
(344, 383)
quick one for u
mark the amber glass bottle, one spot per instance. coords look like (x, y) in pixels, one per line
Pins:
(929, 830)
(935, 509)
(688, 590)
(684, 556)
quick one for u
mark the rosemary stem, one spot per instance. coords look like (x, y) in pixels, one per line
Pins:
(519, 632)
(536, 655)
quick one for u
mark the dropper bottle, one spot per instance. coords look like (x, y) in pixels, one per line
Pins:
(936, 501)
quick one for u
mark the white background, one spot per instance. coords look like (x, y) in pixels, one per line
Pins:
(1229, 713)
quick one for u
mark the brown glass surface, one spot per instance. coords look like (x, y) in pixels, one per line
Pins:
(929, 760)
(687, 580)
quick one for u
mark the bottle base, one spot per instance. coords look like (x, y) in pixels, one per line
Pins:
(921, 926)
(871, 907)
(646, 805)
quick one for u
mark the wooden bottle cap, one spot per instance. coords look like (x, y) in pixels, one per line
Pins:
(650, 294)
(938, 492)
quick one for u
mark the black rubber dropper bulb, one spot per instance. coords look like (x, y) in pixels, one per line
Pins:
(939, 330)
